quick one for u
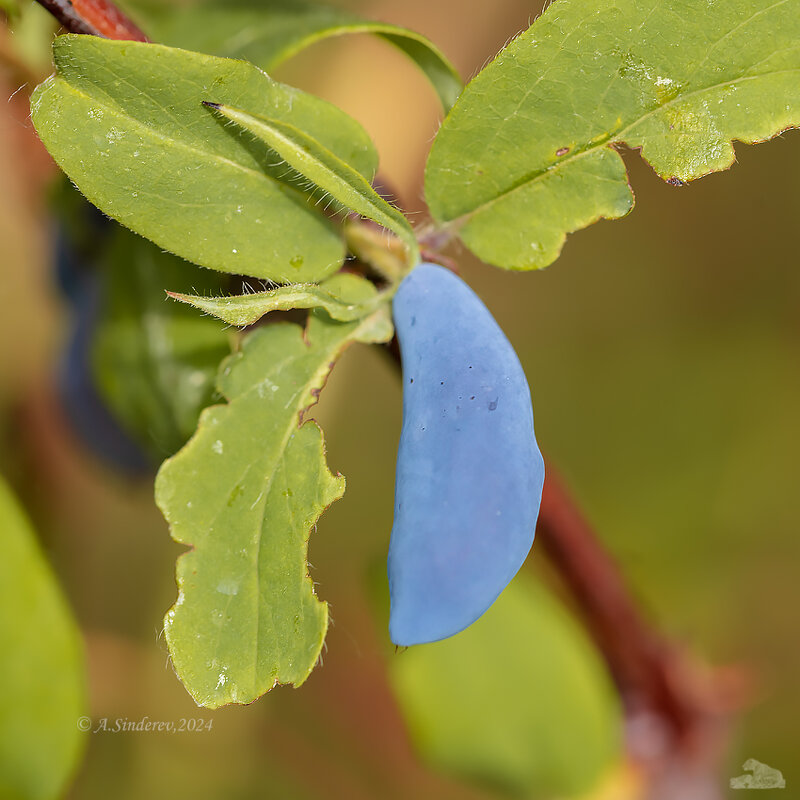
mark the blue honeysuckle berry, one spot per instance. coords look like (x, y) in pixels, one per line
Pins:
(469, 471)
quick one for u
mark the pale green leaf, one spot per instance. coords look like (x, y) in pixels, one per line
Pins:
(246, 309)
(154, 361)
(125, 121)
(268, 32)
(42, 683)
(333, 176)
(526, 156)
(519, 699)
(244, 494)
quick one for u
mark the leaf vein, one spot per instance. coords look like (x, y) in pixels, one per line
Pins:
(605, 143)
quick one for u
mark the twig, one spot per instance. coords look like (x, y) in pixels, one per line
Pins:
(640, 660)
(95, 17)
(677, 710)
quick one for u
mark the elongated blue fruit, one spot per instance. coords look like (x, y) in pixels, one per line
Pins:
(469, 471)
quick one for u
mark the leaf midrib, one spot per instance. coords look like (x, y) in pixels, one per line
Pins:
(301, 293)
(619, 138)
(298, 407)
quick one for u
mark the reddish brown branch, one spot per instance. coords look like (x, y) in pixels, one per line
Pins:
(95, 17)
(641, 661)
(677, 710)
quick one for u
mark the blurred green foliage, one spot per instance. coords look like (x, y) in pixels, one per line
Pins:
(513, 699)
(32, 30)
(10, 8)
(43, 691)
(155, 361)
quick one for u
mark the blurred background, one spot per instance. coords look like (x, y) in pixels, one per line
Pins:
(662, 352)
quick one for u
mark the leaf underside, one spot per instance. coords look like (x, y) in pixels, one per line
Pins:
(244, 493)
(125, 121)
(526, 156)
(246, 309)
(268, 32)
(339, 182)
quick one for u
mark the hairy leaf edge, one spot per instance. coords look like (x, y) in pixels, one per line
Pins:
(310, 398)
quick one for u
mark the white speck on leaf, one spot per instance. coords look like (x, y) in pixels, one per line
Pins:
(229, 587)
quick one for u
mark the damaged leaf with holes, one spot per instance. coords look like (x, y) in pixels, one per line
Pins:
(244, 494)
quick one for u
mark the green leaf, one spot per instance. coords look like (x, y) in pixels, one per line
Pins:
(154, 362)
(268, 32)
(42, 684)
(244, 494)
(246, 309)
(519, 699)
(126, 122)
(333, 176)
(526, 156)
